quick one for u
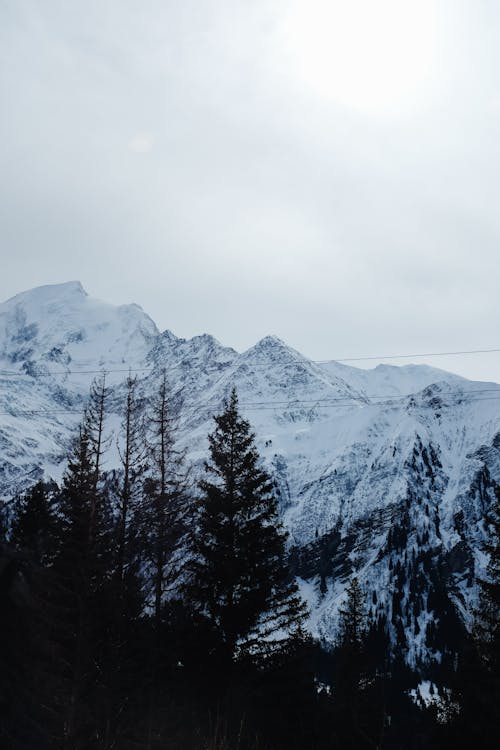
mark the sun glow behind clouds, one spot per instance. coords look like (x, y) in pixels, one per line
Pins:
(377, 56)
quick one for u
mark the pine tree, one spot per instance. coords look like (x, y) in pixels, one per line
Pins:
(359, 706)
(478, 677)
(240, 583)
(488, 625)
(34, 522)
(3, 523)
(471, 705)
(78, 575)
(23, 722)
(83, 565)
(28, 662)
(352, 635)
(353, 617)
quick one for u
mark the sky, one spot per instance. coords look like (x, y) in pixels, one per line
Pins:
(322, 170)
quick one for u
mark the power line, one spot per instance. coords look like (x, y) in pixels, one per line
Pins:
(390, 402)
(235, 362)
(361, 398)
(346, 399)
(408, 356)
(288, 405)
(8, 373)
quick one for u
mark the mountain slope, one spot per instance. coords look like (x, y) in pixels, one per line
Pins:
(385, 472)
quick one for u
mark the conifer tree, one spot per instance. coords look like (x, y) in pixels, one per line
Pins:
(478, 677)
(353, 616)
(79, 575)
(240, 582)
(34, 523)
(352, 636)
(359, 712)
(23, 722)
(488, 625)
(3, 523)
(82, 567)
(29, 657)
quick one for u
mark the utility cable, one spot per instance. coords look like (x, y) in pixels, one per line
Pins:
(236, 363)
(288, 406)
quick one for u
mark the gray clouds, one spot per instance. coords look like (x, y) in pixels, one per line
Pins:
(165, 153)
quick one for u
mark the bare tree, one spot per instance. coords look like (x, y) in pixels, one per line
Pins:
(165, 501)
(132, 453)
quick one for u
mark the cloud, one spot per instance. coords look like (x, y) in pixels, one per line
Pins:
(141, 143)
(343, 233)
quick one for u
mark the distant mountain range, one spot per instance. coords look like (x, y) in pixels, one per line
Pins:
(382, 473)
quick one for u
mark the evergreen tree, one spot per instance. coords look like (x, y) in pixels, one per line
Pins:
(3, 523)
(240, 583)
(352, 634)
(353, 619)
(82, 565)
(23, 724)
(358, 697)
(488, 619)
(34, 523)
(33, 538)
(477, 683)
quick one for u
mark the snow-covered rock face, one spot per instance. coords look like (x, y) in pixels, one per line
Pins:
(61, 326)
(384, 472)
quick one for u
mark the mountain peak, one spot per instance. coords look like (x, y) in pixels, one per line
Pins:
(350, 459)
(268, 344)
(271, 340)
(49, 293)
(72, 287)
(62, 324)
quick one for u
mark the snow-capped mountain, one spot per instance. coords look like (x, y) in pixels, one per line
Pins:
(382, 473)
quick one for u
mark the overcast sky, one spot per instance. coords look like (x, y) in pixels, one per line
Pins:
(327, 171)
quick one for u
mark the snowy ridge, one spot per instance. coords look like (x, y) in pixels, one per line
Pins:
(384, 381)
(385, 473)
